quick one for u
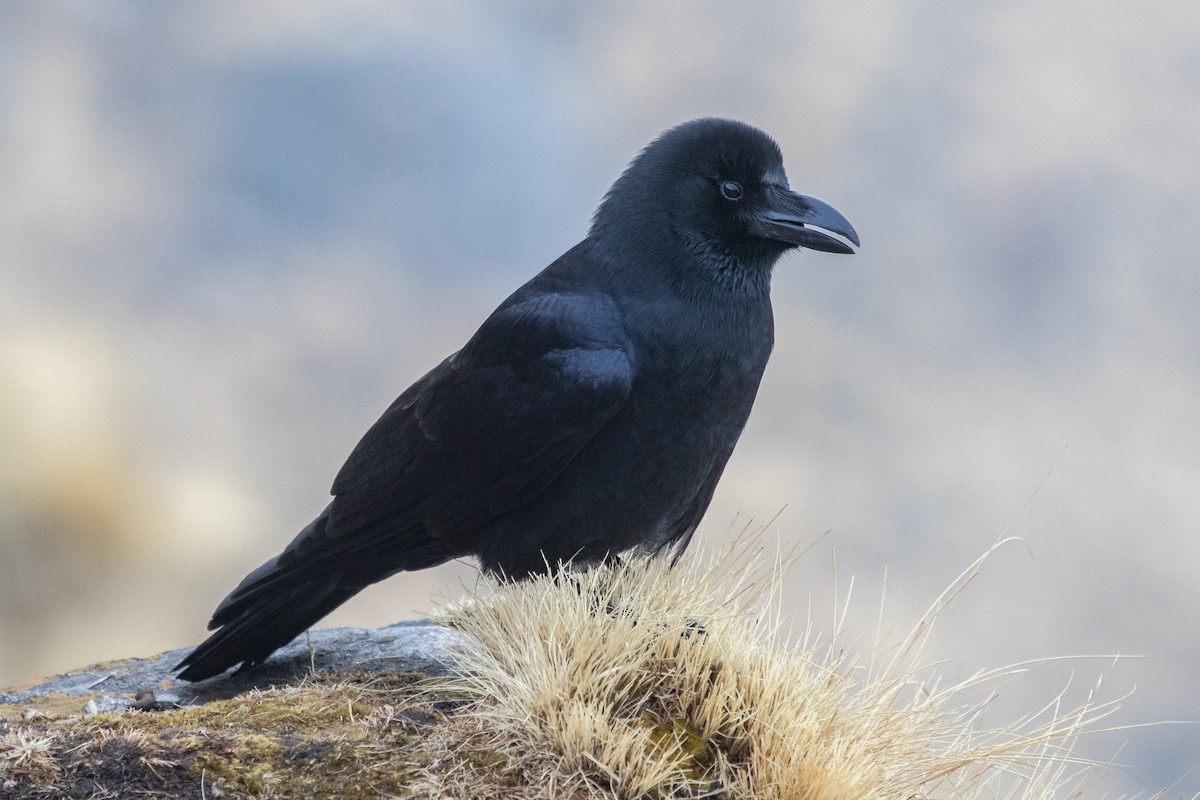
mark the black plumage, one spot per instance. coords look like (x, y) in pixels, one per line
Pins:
(593, 412)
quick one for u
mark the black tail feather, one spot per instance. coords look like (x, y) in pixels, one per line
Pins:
(314, 574)
(264, 622)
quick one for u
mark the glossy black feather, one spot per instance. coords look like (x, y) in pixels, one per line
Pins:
(592, 412)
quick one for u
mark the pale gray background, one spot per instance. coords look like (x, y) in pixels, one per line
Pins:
(231, 233)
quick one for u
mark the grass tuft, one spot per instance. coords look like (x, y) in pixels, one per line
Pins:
(653, 681)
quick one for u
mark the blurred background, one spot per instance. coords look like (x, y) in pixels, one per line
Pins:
(231, 234)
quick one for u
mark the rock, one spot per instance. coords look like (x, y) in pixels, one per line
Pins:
(149, 683)
(340, 713)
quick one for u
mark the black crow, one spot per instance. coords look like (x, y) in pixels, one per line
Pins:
(593, 412)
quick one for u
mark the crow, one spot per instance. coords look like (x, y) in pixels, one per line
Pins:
(592, 413)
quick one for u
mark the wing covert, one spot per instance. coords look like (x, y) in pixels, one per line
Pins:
(490, 427)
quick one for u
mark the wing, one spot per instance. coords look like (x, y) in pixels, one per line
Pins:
(485, 431)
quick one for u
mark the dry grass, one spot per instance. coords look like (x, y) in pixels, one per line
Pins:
(640, 682)
(650, 681)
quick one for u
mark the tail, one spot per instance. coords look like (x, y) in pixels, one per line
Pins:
(261, 621)
(274, 604)
(314, 574)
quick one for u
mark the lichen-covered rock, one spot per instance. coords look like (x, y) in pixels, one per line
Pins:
(341, 712)
(414, 646)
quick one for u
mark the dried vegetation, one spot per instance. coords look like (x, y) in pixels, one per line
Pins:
(643, 681)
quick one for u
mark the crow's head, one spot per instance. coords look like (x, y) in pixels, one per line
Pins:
(714, 192)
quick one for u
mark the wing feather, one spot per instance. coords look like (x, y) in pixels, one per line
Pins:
(486, 430)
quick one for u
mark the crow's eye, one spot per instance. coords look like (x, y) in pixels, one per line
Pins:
(731, 191)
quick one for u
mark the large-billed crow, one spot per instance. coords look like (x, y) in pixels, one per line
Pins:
(593, 411)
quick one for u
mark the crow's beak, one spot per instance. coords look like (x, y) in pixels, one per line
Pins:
(804, 222)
